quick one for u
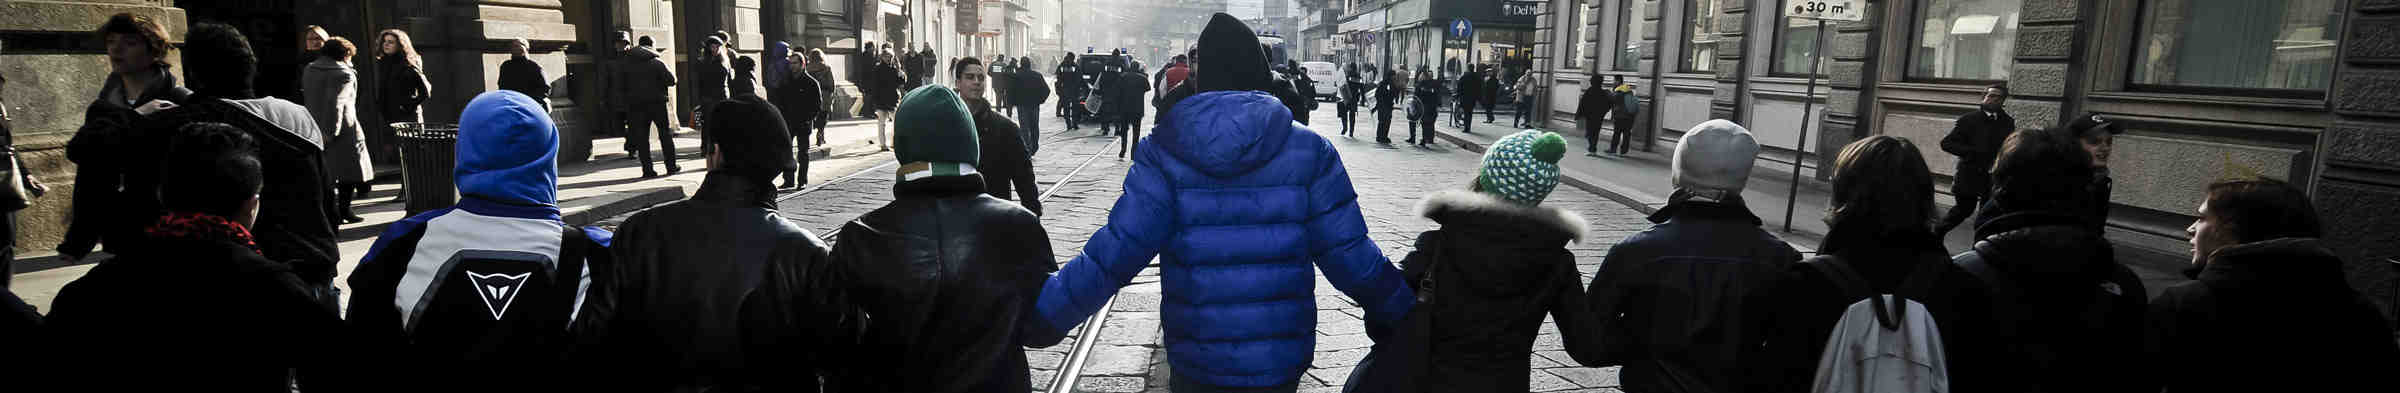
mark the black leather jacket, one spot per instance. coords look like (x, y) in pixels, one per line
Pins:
(948, 276)
(714, 293)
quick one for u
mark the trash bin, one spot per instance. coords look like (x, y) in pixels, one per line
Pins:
(428, 154)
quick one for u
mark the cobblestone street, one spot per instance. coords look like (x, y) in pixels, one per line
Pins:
(1129, 357)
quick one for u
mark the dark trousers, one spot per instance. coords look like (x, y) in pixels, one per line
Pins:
(624, 123)
(799, 176)
(1426, 122)
(1347, 112)
(1128, 133)
(647, 116)
(1490, 108)
(1967, 200)
(1029, 127)
(1591, 136)
(1465, 111)
(1524, 110)
(1623, 141)
(822, 118)
(1383, 126)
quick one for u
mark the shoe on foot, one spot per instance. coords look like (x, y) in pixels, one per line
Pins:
(353, 219)
(646, 173)
(1591, 154)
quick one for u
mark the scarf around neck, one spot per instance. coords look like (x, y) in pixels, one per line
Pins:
(201, 226)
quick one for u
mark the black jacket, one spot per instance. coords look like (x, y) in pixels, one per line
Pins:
(948, 276)
(1129, 89)
(2067, 315)
(2281, 309)
(685, 305)
(1005, 166)
(1594, 105)
(1803, 306)
(188, 315)
(1031, 89)
(449, 294)
(100, 151)
(1429, 94)
(1386, 96)
(402, 95)
(522, 75)
(1497, 268)
(1670, 298)
(1292, 100)
(884, 87)
(295, 213)
(1070, 83)
(1470, 87)
(1976, 139)
(711, 77)
(643, 78)
(799, 98)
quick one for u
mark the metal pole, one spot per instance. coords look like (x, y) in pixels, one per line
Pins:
(1808, 102)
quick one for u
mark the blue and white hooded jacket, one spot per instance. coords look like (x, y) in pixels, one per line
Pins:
(479, 296)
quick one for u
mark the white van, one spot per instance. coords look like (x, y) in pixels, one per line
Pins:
(1328, 78)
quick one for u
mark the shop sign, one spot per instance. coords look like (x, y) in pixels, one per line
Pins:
(1834, 10)
(995, 19)
(969, 15)
(1515, 8)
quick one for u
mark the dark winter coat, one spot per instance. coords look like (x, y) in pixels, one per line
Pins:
(1470, 87)
(402, 95)
(1497, 268)
(799, 99)
(187, 315)
(295, 214)
(1300, 105)
(1975, 139)
(681, 310)
(950, 277)
(2278, 308)
(1803, 305)
(332, 91)
(1130, 88)
(711, 77)
(1668, 298)
(1387, 97)
(522, 75)
(644, 78)
(1594, 105)
(1278, 207)
(1429, 94)
(1070, 83)
(1005, 166)
(1031, 88)
(884, 87)
(102, 150)
(2067, 315)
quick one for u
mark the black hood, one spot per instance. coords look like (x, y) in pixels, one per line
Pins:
(2298, 263)
(1230, 58)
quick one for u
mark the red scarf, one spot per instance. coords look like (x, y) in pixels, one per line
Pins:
(201, 226)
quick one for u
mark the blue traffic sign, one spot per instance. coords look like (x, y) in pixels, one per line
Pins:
(1462, 28)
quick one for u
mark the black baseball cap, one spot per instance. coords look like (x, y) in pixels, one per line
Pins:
(2090, 123)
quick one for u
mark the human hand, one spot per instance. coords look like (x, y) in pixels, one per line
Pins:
(154, 106)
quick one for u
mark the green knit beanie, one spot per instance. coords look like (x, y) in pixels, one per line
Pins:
(933, 125)
(1523, 167)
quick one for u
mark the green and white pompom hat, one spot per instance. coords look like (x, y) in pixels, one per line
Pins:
(1522, 167)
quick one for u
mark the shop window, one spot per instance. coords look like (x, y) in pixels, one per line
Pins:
(1629, 35)
(1967, 40)
(1796, 45)
(2262, 47)
(1699, 35)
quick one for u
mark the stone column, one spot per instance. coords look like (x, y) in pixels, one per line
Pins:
(1646, 124)
(2041, 84)
(1852, 66)
(1543, 46)
(2360, 177)
(483, 36)
(55, 68)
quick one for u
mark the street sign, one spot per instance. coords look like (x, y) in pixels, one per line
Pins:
(1841, 10)
(1461, 28)
(1521, 8)
(969, 15)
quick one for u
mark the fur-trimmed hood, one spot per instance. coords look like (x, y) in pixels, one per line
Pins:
(1463, 207)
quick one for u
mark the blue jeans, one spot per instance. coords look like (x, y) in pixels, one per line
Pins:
(1029, 127)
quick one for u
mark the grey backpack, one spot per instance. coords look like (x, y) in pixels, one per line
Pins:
(1884, 342)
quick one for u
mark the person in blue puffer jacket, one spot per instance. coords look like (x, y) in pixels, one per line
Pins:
(1237, 201)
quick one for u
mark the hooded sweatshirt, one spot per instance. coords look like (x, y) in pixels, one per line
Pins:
(1229, 190)
(491, 283)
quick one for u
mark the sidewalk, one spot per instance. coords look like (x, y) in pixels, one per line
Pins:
(607, 185)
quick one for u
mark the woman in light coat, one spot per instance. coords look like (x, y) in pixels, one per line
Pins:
(331, 88)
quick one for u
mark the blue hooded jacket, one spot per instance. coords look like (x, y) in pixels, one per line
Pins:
(1237, 201)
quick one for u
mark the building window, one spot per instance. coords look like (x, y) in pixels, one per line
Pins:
(1973, 40)
(1629, 36)
(1699, 35)
(2283, 46)
(1796, 46)
(1574, 33)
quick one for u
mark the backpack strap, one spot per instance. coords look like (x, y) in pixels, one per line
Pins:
(1855, 286)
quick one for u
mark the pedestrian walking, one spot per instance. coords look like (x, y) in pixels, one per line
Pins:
(647, 81)
(1627, 110)
(922, 297)
(1298, 210)
(401, 95)
(332, 90)
(256, 327)
(1003, 95)
(1070, 91)
(1492, 84)
(883, 95)
(1387, 95)
(1681, 334)
(1032, 90)
(817, 69)
(32, 188)
(712, 74)
(1004, 163)
(2267, 289)
(1104, 88)
(1429, 94)
(1525, 94)
(1132, 86)
(1307, 89)
(928, 61)
(295, 224)
(800, 97)
(1347, 106)
(1284, 87)
(1496, 266)
(1975, 138)
(1591, 108)
(2070, 314)
(524, 76)
(1468, 96)
(1883, 198)
(105, 148)
(2098, 136)
(493, 282)
(612, 92)
(912, 64)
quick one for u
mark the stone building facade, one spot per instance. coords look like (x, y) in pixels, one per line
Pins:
(2304, 90)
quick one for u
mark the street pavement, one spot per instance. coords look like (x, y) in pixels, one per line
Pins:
(1128, 356)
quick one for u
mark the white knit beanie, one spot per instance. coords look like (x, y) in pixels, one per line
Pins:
(1715, 156)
